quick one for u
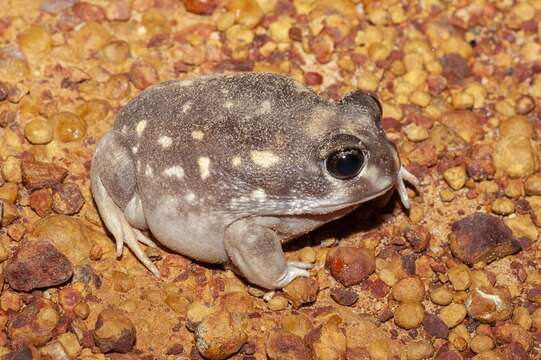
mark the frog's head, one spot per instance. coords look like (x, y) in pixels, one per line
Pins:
(357, 160)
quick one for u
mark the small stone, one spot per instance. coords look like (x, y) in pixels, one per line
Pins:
(313, 78)
(11, 170)
(88, 12)
(327, 341)
(481, 343)
(69, 126)
(282, 345)
(10, 301)
(533, 185)
(536, 319)
(515, 156)
(481, 237)
(455, 177)
(522, 226)
(503, 206)
(534, 295)
(56, 6)
(297, 324)
(278, 303)
(114, 331)
(464, 122)
(419, 350)
(142, 75)
(415, 132)
(38, 131)
(200, 7)
(435, 327)
(301, 291)
(34, 324)
(350, 265)
(41, 201)
(220, 335)
(460, 277)
(516, 126)
(67, 199)
(118, 10)
(441, 296)
(307, 255)
(8, 193)
(409, 315)
(525, 105)
(37, 175)
(344, 297)
(410, 289)
(522, 317)
(37, 264)
(70, 343)
(453, 314)
(489, 304)
(508, 333)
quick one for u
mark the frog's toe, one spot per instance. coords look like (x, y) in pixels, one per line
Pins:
(300, 265)
(292, 272)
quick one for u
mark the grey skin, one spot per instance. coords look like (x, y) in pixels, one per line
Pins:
(225, 169)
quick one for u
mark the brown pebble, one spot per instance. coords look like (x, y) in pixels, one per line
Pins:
(508, 333)
(282, 345)
(67, 199)
(37, 264)
(37, 175)
(34, 324)
(114, 331)
(489, 304)
(435, 327)
(350, 265)
(481, 237)
(41, 201)
(344, 297)
(200, 7)
(313, 78)
(142, 75)
(88, 12)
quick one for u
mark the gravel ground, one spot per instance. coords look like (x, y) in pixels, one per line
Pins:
(456, 277)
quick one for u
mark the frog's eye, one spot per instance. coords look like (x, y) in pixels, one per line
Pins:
(346, 163)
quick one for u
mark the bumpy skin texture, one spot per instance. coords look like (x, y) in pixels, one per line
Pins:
(227, 168)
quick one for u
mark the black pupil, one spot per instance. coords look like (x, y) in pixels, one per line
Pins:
(345, 164)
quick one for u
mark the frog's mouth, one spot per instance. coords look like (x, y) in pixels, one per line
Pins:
(404, 174)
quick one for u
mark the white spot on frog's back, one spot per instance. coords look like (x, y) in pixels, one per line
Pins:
(185, 82)
(190, 197)
(204, 167)
(140, 127)
(198, 134)
(265, 159)
(265, 108)
(165, 141)
(186, 107)
(259, 195)
(134, 149)
(148, 170)
(236, 161)
(174, 171)
(228, 104)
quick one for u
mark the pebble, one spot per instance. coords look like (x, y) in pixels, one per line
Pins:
(522, 226)
(350, 265)
(455, 177)
(142, 75)
(89, 12)
(38, 132)
(56, 6)
(410, 289)
(533, 185)
(70, 343)
(489, 304)
(517, 125)
(327, 341)
(114, 331)
(409, 315)
(481, 343)
(344, 297)
(507, 333)
(301, 291)
(536, 319)
(481, 237)
(69, 126)
(435, 326)
(11, 170)
(441, 296)
(503, 206)
(515, 156)
(281, 345)
(453, 314)
(418, 350)
(278, 303)
(67, 199)
(200, 7)
(37, 175)
(221, 334)
(459, 276)
(37, 264)
(34, 324)
(415, 132)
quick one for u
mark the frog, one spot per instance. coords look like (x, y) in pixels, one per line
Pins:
(227, 168)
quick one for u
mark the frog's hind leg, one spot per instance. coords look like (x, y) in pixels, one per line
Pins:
(113, 188)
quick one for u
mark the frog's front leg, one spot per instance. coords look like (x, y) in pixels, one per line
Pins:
(256, 251)
(113, 188)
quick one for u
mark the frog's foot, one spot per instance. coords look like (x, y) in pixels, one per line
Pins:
(294, 270)
(404, 174)
(122, 231)
(256, 252)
